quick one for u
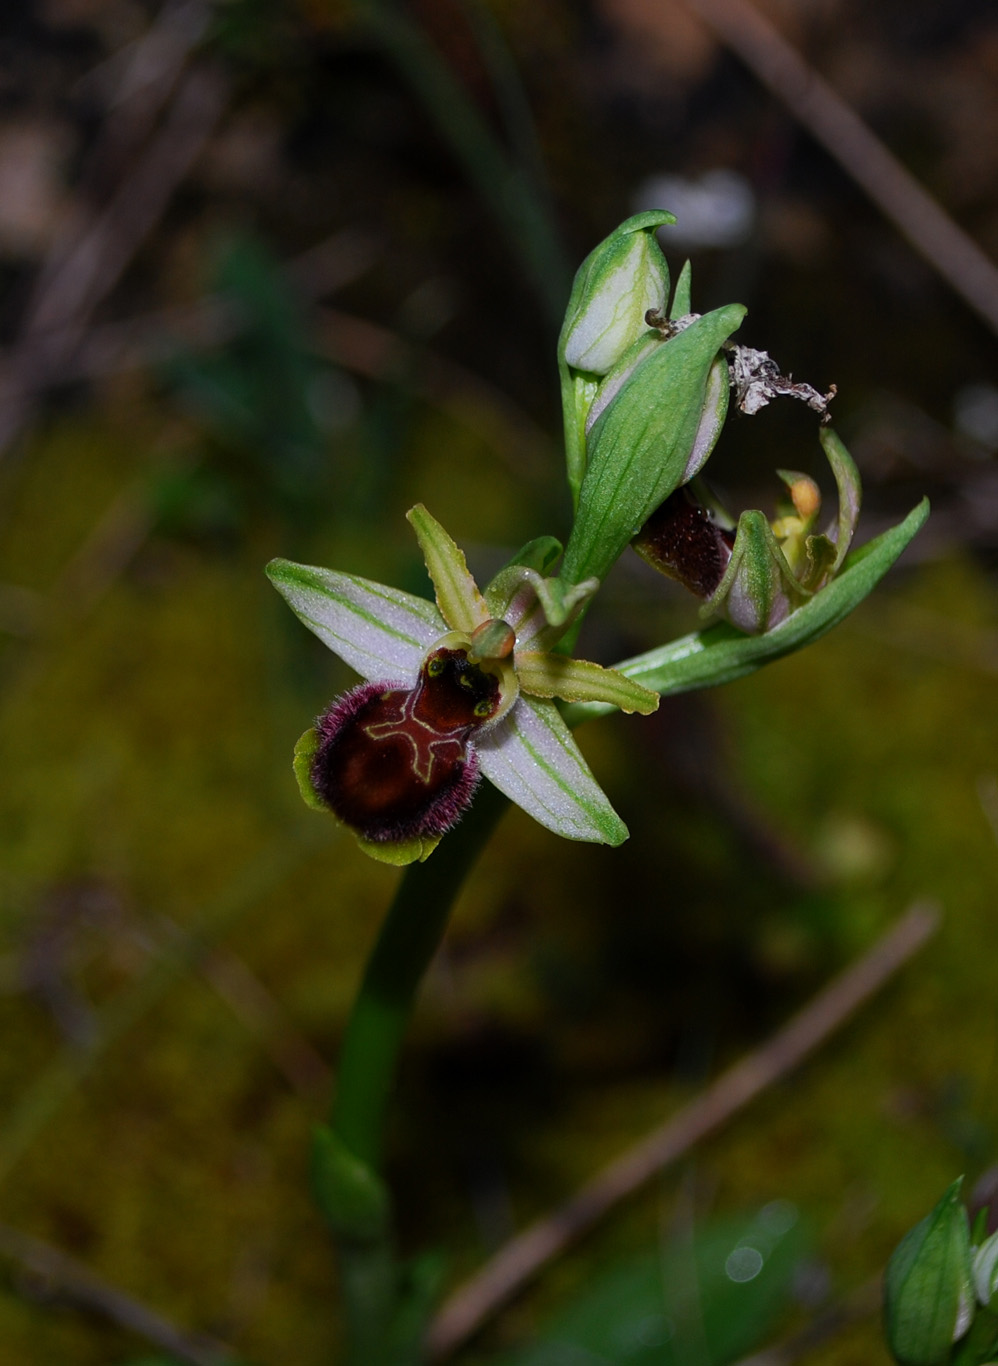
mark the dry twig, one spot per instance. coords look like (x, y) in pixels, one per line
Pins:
(516, 1263)
(86, 264)
(51, 1275)
(913, 211)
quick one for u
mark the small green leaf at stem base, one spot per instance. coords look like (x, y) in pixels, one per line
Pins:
(351, 1196)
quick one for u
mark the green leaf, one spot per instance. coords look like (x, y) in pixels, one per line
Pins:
(353, 1199)
(640, 447)
(928, 1286)
(707, 1297)
(721, 653)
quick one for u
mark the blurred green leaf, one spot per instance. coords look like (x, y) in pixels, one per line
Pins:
(722, 1288)
(262, 395)
(928, 1287)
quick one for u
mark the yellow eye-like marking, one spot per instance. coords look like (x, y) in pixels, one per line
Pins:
(435, 668)
(483, 708)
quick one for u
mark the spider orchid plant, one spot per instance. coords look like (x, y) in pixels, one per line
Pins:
(472, 685)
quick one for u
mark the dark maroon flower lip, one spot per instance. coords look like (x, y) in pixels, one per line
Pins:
(396, 763)
(682, 540)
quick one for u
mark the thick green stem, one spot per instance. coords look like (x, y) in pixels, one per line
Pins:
(411, 934)
(408, 940)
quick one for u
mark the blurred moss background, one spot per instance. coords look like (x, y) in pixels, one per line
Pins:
(262, 292)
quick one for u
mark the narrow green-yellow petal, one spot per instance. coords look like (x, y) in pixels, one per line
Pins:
(461, 604)
(579, 680)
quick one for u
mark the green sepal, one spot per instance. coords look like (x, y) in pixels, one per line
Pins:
(304, 757)
(618, 282)
(758, 589)
(614, 380)
(578, 392)
(682, 297)
(721, 653)
(351, 1197)
(640, 447)
(850, 489)
(461, 604)
(928, 1286)
(579, 680)
(539, 554)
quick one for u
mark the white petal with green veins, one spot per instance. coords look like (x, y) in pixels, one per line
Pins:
(381, 632)
(532, 758)
(461, 604)
(579, 680)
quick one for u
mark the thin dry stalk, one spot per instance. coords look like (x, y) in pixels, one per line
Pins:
(523, 1256)
(49, 1274)
(913, 211)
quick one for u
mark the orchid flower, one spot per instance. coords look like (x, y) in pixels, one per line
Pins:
(452, 691)
(758, 573)
(467, 687)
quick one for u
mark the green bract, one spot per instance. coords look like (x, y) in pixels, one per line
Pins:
(986, 1272)
(654, 435)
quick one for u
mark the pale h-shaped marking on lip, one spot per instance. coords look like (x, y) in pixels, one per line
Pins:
(428, 743)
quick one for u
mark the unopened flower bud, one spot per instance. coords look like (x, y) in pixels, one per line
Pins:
(929, 1289)
(616, 285)
(986, 1273)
